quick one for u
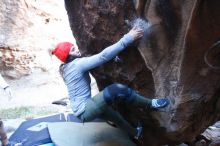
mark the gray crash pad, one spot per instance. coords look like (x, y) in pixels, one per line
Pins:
(87, 134)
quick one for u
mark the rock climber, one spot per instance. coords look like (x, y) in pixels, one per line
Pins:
(75, 72)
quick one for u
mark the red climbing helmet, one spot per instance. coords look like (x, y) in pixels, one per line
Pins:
(62, 50)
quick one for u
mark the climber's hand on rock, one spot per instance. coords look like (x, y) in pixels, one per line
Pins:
(136, 33)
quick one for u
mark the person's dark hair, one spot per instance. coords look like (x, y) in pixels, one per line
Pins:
(69, 59)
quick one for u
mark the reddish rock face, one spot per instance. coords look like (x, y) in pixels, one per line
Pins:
(27, 34)
(169, 61)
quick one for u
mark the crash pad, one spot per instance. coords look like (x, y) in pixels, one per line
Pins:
(87, 134)
(47, 144)
(34, 132)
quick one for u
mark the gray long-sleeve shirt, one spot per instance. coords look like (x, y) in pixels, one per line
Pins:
(76, 73)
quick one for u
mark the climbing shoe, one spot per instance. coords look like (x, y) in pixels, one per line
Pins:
(159, 103)
(139, 132)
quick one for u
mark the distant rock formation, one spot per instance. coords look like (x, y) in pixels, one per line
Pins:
(27, 34)
(169, 61)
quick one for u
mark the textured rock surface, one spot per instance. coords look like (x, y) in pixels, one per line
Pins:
(168, 62)
(28, 30)
(27, 34)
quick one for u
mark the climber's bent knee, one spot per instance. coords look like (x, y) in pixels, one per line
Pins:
(116, 91)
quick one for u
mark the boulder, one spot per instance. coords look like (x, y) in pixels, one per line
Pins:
(168, 61)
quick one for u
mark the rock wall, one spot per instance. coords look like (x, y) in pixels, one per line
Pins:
(168, 62)
(27, 34)
(29, 29)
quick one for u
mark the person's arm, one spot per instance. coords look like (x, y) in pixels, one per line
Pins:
(5, 86)
(3, 83)
(110, 52)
